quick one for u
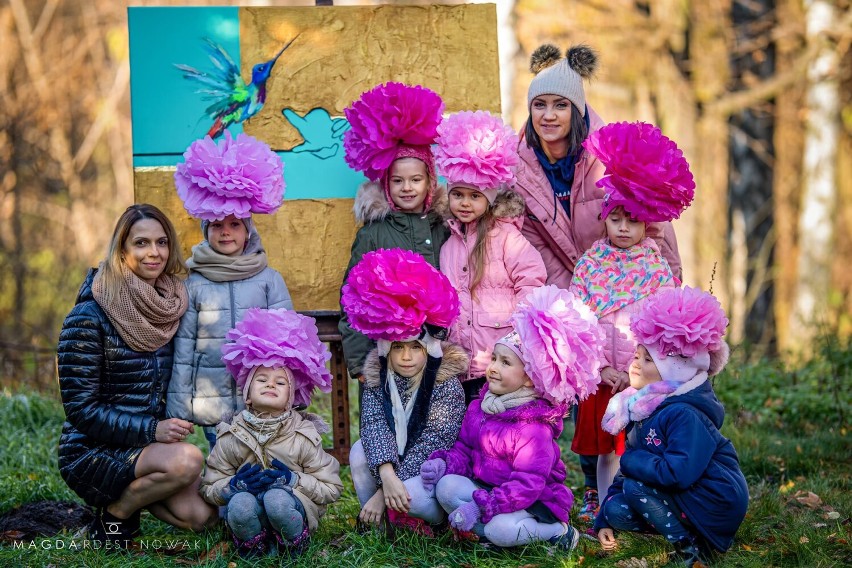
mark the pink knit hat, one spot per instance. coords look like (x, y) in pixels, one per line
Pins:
(389, 122)
(280, 339)
(476, 150)
(392, 293)
(560, 342)
(646, 172)
(682, 329)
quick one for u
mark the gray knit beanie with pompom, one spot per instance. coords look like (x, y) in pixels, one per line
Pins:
(563, 76)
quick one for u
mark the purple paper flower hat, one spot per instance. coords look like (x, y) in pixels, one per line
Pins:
(682, 328)
(561, 344)
(391, 293)
(238, 176)
(278, 338)
(476, 150)
(646, 172)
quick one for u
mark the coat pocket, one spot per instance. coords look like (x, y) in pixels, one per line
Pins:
(494, 320)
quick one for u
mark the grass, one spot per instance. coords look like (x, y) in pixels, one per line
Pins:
(787, 426)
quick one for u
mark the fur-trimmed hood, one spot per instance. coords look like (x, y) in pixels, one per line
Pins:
(371, 204)
(454, 363)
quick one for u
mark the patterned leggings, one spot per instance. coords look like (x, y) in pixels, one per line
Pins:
(640, 507)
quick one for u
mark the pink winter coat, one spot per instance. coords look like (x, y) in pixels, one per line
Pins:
(513, 268)
(560, 240)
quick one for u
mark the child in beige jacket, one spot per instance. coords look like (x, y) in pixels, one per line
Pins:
(268, 466)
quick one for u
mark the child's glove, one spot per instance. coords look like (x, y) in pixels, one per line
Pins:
(249, 478)
(431, 471)
(279, 474)
(465, 516)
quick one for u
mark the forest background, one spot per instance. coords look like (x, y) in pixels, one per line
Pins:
(758, 93)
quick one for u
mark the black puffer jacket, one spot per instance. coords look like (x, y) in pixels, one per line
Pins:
(113, 398)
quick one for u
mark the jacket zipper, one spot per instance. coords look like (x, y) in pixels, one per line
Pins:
(233, 325)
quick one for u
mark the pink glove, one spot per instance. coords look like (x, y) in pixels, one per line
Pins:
(431, 471)
(465, 516)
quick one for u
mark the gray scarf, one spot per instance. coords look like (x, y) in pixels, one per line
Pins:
(495, 404)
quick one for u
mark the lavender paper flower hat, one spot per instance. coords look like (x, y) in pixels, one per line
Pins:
(238, 176)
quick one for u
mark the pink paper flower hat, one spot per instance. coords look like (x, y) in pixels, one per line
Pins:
(682, 329)
(476, 150)
(560, 342)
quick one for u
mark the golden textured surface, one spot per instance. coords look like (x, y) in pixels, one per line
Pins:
(307, 240)
(344, 51)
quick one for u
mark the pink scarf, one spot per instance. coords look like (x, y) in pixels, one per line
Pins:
(631, 405)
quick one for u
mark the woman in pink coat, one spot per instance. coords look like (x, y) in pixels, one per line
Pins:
(556, 178)
(486, 258)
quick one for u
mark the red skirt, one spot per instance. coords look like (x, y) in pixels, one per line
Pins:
(589, 438)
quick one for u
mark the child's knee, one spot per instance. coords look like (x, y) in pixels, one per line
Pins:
(633, 489)
(242, 507)
(447, 490)
(279, 504)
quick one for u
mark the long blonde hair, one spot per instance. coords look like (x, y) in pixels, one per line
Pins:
(479, 254)
(111, 266)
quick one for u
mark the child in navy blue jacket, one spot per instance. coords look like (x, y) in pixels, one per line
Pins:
(679, 476)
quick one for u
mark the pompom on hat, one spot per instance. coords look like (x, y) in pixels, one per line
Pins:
(278, 338)
(392, 294)
(476, 150)
(646, 172)
(390, 122)
(560, 342)
(682, 329)
(238, 176)
(563, 76)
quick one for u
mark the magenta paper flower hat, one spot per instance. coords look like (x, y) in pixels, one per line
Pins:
(682, 329)
(238, 176)
(560, 343)
(646, 172)
(389, 122)
(476, 150)
(281, 339)
(392, 293)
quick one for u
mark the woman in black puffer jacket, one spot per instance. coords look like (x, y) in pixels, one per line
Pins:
(117, 450)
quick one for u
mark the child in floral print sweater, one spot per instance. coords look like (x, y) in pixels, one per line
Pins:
(620, 271)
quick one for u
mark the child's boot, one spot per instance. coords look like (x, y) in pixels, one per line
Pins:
(293, 548)
(253, 547)
(591, 506)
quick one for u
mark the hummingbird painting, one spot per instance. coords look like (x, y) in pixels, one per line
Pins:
(234, 101)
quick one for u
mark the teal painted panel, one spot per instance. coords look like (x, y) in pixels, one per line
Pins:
(166, 112)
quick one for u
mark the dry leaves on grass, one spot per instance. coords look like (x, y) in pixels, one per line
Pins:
(633, 562)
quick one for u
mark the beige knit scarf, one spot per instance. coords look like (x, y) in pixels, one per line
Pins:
(145, 316)
(222, 268)
(495, 404)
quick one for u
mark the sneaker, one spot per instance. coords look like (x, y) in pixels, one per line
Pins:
(689, 553)
(589, 511)
(567, 541)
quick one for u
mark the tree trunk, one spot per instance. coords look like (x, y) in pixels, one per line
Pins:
(819, 191)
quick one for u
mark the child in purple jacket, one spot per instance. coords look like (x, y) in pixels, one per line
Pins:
(504, 480)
